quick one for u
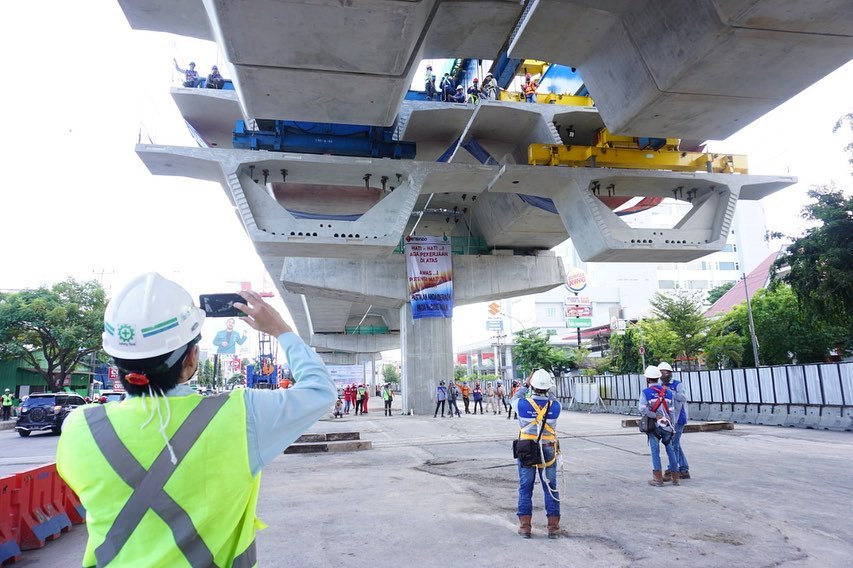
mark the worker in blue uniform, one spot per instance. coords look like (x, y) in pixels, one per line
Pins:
(537, 420)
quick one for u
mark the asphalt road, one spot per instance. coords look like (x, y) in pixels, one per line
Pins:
(441, 492)
(19, 454)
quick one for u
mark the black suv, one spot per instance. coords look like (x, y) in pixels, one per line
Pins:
(46, 411)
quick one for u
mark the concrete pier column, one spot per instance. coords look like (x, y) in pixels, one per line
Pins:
(470, 363)
(427, 352)
(479, 362)
(510, 365)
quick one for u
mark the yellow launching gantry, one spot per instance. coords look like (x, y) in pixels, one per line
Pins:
(630, 152)
(537, 70)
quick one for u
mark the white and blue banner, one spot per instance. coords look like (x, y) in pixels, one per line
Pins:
(430, 274)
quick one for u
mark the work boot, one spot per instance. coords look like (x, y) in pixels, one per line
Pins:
(676, 478)
(657, 478)
(524, 525)
(684, 474)
(554, 526)
(667, 475)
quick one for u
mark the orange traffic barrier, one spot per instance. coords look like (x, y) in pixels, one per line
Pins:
(70, 502)
(10, 551)
(41, 512)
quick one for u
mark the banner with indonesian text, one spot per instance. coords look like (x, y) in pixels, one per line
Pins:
(429, 270)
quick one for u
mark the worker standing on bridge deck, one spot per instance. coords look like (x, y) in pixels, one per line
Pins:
(191, 79)
(529, 89)
(537, 421)
(168, 477)
(429, 83)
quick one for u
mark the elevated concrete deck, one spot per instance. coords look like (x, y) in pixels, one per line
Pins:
(698, 69)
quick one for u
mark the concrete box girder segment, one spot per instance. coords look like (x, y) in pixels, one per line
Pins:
(599, 235)
(382, 282)
(689, 69)
(366, 51)
(180, 17)
(506, 220)
(211, 114)
(275, 231)
(356, 343)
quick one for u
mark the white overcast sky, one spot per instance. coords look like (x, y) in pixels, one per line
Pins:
(80, 89)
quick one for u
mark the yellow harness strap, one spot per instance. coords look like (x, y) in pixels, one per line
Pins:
(549, 433)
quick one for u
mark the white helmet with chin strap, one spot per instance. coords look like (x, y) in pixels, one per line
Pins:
(150, 316)
(540, 380)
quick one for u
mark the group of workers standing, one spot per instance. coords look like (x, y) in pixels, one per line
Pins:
(494, 397)
(449, 91)
(192, 79)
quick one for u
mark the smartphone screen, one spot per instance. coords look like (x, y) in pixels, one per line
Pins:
(220, 305)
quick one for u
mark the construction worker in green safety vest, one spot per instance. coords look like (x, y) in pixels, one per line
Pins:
(144, 468)
(8, 400)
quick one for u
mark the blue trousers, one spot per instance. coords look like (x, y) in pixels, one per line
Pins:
(526, 478)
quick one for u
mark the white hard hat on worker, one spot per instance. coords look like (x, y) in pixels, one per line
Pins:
(150, 316)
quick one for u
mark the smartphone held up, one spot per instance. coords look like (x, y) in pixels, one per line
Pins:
(221, 305)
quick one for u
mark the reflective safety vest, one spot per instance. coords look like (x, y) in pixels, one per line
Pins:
(7, 400)
(143, 510)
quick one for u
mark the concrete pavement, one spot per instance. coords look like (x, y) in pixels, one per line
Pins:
(442, 492)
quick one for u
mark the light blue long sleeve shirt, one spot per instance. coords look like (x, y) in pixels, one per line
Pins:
(276, 418)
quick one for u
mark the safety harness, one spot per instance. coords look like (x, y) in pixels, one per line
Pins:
(661, 399)
(544, 430)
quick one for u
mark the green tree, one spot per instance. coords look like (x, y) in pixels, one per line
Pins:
(660, 342)
(625, 355)
(533, 351)
(723, 349)
(205, 372)
(820, 263)
(53, 329)
(715, 294)
(459, 372)
(784, 331)
(390, 373)
(681, 310)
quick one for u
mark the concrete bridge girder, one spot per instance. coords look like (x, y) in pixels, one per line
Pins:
(356, 343)
(600, 235)
(693, 70)
(383, 282)
(505, 220)
(330, 358)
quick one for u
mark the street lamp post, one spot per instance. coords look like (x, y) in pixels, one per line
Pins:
(498, 343)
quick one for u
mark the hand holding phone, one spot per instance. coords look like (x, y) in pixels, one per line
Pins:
(260, 315)
(220, 305)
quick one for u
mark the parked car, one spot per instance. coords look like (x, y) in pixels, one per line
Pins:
(46, 411)
(111, 396)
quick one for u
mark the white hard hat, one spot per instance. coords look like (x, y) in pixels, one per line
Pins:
(664, 366)
(150, 316)
(652, 372)
(540, 380)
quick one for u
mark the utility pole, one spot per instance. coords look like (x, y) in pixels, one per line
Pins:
(753, 338)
